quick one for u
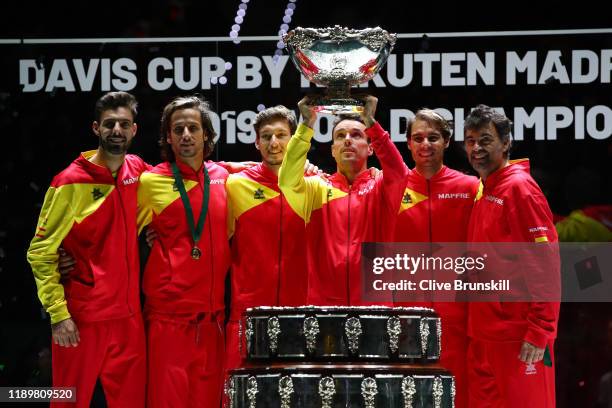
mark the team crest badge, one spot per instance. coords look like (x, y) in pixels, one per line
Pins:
(259, 194)
(530, 369)
(97, 194)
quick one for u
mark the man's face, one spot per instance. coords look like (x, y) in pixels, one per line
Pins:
(272, 141)
(485, 150)
(426, 144)
(115, 130)
(186, 134)
(350, 143)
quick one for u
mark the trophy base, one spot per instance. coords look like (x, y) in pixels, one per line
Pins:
(346, 106)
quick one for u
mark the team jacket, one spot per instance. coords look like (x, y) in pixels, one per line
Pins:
(173, 281)
(93, 215)
(340, 216)
(437, 210)
(512, 208)
(268, 256)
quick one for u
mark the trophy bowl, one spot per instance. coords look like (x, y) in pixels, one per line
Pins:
(339, 58)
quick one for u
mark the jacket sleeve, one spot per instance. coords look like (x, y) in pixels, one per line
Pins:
(394, 169)
(54, 223)
(301, 193)
(531, 222)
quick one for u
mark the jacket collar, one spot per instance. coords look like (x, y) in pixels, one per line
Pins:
(187, 171)
(518, 165)
(95, 169)
(440, 174)
(361, 178)
(264, 171)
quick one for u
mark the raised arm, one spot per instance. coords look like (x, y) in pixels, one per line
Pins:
(394, 170)
(301, 193)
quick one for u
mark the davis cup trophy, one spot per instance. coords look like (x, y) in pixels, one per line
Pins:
(338, 58)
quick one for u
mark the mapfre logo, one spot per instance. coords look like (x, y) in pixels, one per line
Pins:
(451, 196)
(129, 181)
(537, 229)
(367, 188)
(217, 181)
(494, 199)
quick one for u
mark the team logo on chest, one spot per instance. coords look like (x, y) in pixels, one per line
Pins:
(96, 193)
(258, 194)
(530, 369)
(407, 199)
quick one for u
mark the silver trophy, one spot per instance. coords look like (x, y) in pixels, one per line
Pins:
(339, 58)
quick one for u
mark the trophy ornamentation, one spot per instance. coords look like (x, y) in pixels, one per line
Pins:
(339, 58)
(273, 332)
(394, 329)
(424, 331)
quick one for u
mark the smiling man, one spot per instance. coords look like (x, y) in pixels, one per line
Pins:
(348, 208)
(509, 341)
(90, 209)
(268, 256)
(436, 207)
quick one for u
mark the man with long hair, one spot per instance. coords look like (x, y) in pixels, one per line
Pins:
(184, 200)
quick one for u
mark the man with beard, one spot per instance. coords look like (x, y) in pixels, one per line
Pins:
(436, 207)
(268, 257)
(348, 208)
(90, 209)
(184, 200)
(510, 355)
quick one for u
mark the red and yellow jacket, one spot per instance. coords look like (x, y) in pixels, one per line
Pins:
(93, 215)
(340, 216)
(437, 210)
(268, 256)
(173, 281)
(512, 208)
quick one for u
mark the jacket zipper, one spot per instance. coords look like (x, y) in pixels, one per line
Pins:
(127, 250)
(280, 251)
(348, 249)
(210, 238)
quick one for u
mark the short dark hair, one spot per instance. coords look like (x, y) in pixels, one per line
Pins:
(346, 116)
(113, 101)
(482, 115)
(186, 102)
(434, 119)
(278, 112)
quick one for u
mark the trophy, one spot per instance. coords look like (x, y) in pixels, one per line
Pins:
(338, 58)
